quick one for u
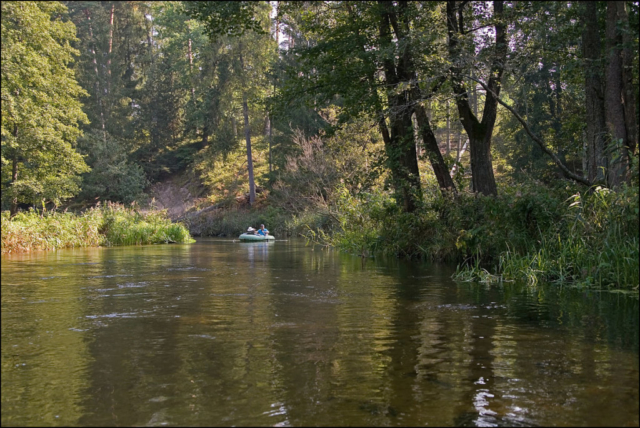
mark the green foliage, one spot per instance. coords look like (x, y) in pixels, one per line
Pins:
(112, 176)
(226, 18)
(112, 224)
(595, 244)
(350, 154)
(40, 105)
(123, 226)
(526, 233)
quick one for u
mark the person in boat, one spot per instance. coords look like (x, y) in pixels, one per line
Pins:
(262, 231)
(251, 231)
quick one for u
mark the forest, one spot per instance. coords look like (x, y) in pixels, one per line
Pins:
(498, 136)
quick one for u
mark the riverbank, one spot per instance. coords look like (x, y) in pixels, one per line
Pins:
(528, 233)
(109, 225)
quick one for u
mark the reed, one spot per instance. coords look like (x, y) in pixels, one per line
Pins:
(110, 225)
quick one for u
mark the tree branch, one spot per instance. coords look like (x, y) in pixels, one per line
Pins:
(544, 148)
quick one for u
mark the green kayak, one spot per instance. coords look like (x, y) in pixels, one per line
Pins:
(251, 237)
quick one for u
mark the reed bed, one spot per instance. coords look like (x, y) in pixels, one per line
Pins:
(109, 225)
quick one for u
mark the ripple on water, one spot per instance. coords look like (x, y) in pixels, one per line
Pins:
(133, 284)
(108, 276)
(114, 315)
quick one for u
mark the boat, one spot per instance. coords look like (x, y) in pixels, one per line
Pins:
(252, 237)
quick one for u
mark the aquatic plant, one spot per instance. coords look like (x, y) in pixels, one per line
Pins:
(112, 224)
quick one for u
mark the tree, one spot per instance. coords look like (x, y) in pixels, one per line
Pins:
(479, 131)
(619, 95)
(113, 177)
(233, 20)
(41, 110)
(594, 96)
(362, 55)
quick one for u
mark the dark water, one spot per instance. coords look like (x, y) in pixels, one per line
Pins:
(222, 333)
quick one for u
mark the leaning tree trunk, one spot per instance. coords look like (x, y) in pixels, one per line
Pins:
(445, 182)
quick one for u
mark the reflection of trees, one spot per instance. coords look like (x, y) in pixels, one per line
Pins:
(249, 335)
(43, 361)
(304, 331)
(198, 341)
(134, 349)
(545, 362)
(333, 338)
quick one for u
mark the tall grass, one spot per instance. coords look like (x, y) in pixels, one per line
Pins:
(528, 233)
(112, 224)
(596, 244)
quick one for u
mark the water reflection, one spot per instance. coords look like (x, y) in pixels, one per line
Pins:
(281, 334)
(257, 251)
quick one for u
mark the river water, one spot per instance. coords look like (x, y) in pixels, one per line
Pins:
(282, 334)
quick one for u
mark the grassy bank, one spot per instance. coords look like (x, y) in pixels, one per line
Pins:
(527, 233)
(109, 225)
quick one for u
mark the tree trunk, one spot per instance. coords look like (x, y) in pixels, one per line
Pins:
(274, 85)
(399, 145)
(433, 151)
(149, 39)
(193, 90)
(205, 136)
(596, 126)
(585, 157)
(95, 67)
(448, 131)
(614, 108)
(14, 178)
(479, 132)
(405, 158)
(113, 6)
(268, 135)
(247, 133)
(628, 93)
(247, 136)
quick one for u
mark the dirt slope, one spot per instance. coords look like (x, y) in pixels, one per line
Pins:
(177, 195)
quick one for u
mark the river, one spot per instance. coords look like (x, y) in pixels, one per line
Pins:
(221, 333)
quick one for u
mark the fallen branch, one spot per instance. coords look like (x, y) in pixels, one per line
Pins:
(544, 148)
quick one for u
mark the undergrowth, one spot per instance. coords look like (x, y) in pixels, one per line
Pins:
(528, 233)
